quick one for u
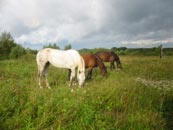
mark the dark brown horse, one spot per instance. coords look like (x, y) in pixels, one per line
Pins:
(110, 57)
(92, 61)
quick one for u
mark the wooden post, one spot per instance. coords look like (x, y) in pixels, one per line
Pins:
(161, 52)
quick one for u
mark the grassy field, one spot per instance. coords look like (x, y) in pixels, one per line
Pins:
(139, 97)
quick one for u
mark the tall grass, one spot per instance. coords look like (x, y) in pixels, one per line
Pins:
(118, 102)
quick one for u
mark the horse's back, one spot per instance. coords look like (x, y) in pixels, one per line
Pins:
(90, 60)
(59, 58)
(105, 56)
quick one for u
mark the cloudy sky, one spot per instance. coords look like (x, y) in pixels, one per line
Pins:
(88, 23)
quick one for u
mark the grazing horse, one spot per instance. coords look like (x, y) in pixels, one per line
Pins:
(110, 57)
(69, 59)
(92, 61)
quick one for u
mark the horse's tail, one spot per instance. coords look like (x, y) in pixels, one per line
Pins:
(100, 64)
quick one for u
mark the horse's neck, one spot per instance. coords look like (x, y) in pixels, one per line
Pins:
(100, 63)
(117, 59)
(81, 64)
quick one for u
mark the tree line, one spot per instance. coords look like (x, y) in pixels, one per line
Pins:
(154, 51)
(10, 49)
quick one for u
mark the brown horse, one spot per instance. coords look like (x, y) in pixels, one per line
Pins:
(110, 57)
(92, 61)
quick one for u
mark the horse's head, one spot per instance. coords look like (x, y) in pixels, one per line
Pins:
(81, 77)
(119, 66)
(81, 72)
(117, 59)
(104, 71)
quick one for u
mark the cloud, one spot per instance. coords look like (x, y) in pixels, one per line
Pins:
(91, 23)
(150, 43)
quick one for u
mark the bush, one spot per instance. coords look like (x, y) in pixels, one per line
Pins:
(17, 51)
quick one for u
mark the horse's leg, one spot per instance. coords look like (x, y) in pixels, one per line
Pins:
(113, 65)
(46, 74)
(39, 78)
(40, 71)
(69, 73)
(89, 73)
(72, 76)
(87, 76)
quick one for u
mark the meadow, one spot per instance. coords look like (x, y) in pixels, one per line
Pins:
(139, 97)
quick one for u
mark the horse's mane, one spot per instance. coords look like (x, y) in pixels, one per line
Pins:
(100, 63)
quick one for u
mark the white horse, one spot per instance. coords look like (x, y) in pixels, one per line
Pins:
(69, 59)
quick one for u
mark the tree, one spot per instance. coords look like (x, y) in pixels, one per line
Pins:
(54, 45)
(67, 47)
(17, 51)
(114, 48)
(6, 44)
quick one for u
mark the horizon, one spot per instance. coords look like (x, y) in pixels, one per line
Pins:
(62, 47)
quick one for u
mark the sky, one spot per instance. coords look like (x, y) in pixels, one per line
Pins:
(88, 23)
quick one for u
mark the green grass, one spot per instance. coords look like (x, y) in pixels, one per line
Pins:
(118, 102)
